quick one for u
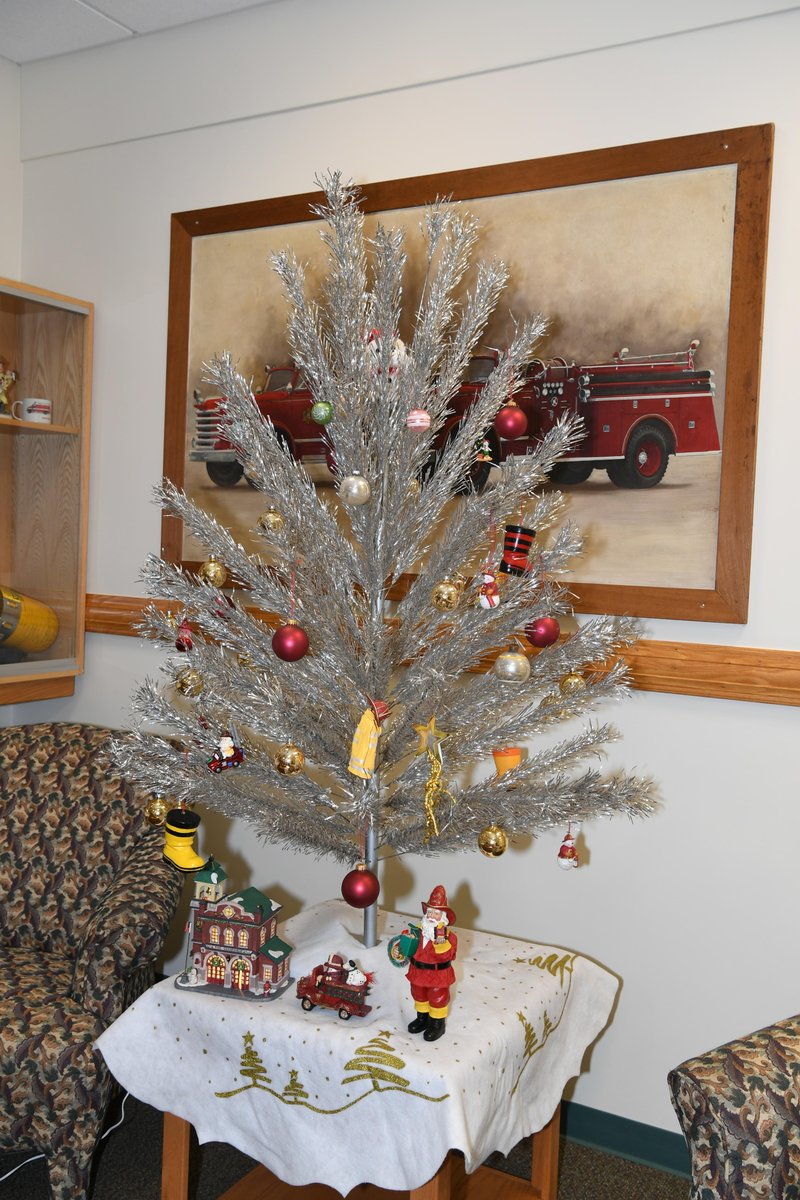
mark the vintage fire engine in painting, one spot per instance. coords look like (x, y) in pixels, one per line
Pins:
(637, 411)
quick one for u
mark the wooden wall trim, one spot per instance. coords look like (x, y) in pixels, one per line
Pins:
(685, 668)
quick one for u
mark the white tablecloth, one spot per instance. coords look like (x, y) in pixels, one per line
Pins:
(321, 1100)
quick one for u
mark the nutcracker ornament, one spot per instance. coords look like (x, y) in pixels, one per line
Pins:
(430, 965)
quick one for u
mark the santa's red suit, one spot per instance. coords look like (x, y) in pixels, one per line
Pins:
(430, 972)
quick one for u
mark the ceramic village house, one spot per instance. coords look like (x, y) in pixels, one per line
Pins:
(234, 943)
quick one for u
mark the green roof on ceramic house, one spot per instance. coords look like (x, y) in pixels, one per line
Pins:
(276, 950)
(212, 867)
(251, 899)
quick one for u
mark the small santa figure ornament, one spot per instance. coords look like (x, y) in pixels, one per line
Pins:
(567, 854)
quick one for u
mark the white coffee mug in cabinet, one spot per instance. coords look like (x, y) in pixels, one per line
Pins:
(35, 408)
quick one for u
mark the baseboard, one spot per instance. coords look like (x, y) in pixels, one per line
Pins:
(628, 1139)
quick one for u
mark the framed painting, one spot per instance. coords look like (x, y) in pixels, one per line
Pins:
(646, 254)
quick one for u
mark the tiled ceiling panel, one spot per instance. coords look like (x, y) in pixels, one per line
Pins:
(36, 29)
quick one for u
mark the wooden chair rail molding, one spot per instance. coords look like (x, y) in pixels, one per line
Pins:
(686, 668)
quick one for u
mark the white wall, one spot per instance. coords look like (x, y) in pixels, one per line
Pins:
(11, 173)
(695, 908)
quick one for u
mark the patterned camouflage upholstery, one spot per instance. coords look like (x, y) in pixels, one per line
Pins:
(86, 900)
(739, 1108)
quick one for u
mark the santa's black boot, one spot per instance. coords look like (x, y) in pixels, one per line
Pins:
(419, 1023)
(435, 1029)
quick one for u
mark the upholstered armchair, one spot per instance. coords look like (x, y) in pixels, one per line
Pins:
(739, 1108)
(86, 900)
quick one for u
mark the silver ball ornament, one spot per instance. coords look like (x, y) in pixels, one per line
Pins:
(354, 490)
(512, 667)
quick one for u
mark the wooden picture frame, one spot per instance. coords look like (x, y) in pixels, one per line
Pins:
(746, 152)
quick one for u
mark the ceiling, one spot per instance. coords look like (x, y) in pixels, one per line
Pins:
(34, 29)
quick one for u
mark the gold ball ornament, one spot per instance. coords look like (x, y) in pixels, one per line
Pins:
(213, 572)
(493, 841)
(189, 682)
(156, 809)
(446, 595)
(571, 684)
(512, 667)
(289, 759)
(354, 490)
(270, 521)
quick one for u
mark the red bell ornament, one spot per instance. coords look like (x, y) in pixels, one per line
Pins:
(511, 422)
(290, 642)
(360, 887)
(543, 631)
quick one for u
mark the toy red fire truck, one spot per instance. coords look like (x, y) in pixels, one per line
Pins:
(334, 984)
(636, 411)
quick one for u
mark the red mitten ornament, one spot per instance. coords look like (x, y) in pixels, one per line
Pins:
(360, 887)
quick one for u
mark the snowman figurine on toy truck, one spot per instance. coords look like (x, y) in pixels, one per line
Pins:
(429, 949)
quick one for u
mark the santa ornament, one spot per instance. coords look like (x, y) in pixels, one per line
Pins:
(567, 854)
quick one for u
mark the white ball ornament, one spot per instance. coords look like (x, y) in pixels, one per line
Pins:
(512, 667)
(354, 490)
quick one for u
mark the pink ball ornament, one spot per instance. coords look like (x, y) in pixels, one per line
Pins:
(543, 631)
(290, 642)
(419, 420)
(360, 887)
(511, 422)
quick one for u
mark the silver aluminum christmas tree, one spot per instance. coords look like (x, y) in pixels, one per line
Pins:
(334, 581)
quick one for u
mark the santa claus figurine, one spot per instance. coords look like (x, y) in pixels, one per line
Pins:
(430, 968)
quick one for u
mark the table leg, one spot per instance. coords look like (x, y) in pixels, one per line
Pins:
(437, 1188)
(175, 1158)
(544, 1169)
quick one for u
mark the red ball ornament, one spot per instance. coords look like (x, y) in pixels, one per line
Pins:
(360, 887)
(290, 642)
(511, 422)
(543, 631)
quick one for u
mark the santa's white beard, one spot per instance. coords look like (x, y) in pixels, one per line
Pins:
(429, 928)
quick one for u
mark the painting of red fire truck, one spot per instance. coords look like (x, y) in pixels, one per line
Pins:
(637, 411)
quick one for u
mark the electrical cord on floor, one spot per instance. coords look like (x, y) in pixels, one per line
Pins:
(34, 1157)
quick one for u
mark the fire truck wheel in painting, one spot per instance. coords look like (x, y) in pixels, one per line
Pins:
(224, 474)
(646, 457)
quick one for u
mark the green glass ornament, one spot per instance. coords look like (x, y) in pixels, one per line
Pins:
(322, 412)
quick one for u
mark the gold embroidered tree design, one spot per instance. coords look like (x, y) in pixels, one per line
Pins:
(294, 1092)
(251, 1067)
(376, 1062)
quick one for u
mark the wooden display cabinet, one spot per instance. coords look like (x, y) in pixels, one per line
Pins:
(46, 339)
